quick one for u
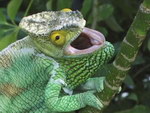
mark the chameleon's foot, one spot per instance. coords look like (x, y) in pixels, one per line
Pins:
(69, 103)
(95, 84)
(90, 99)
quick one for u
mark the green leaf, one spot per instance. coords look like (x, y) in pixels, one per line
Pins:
(133, 96)
(49, 4)
(5, 32)
(6, 29)
(129, 82)
(89, 20)
(13, 8)
(139, 60)
(103, 30)
(2, 16)
(8, 39)
(87, 5)
(137, 109)
(6, 25)
(61, 4)
(117, 47)
(113, 24)
(105, 11)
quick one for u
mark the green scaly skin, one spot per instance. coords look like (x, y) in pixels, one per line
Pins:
(36, 76)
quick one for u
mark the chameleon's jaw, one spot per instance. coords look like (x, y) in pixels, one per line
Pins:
(87, 42)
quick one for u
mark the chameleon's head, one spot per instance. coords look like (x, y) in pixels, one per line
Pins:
(53, 31)
(62, 33)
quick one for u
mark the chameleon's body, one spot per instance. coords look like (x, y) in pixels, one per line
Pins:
(38, 76)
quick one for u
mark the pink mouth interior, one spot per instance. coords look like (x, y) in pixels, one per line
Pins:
(87, 42)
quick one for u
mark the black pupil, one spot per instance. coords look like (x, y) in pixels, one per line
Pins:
(57, 37)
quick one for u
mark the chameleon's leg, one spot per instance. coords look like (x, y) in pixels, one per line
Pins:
(68, 102)
(96, 84)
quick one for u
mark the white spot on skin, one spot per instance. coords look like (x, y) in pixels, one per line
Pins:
(46, 16)
(58, 81)
(121, 68)
(68, 91)
(26, 50)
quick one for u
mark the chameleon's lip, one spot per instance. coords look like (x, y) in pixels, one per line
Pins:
(87, 42)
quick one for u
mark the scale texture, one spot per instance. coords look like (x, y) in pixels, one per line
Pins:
(36, 76)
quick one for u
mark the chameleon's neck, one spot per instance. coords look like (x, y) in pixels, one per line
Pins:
(78, 70)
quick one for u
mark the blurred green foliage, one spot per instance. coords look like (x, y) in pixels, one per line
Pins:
(112, 18)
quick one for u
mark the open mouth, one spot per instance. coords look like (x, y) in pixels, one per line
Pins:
(87, 42)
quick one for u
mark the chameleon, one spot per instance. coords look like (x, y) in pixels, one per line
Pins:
(51, 69)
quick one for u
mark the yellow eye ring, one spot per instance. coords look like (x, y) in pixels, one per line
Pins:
(66, 10)
(58, 38)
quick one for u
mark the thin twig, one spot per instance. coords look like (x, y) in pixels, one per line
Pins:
(95, 5)
(141, 70)
(29, 6)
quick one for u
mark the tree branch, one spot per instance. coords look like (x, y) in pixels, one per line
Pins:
(122, 63)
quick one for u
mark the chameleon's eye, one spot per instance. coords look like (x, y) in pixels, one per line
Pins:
(66, 10)
(58, 37)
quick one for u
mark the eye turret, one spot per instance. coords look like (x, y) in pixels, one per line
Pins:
(58, 37)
